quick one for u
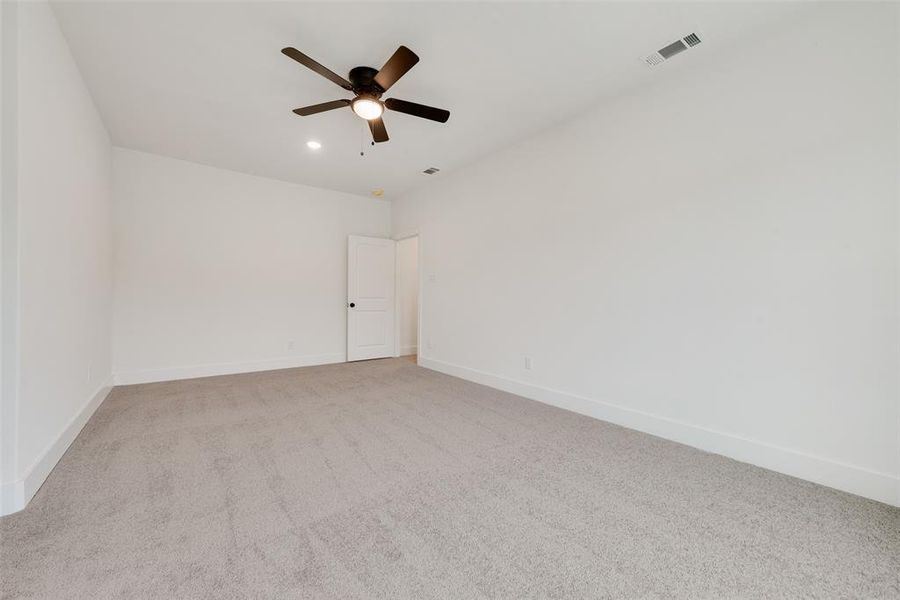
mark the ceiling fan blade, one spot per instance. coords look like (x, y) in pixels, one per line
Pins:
(317, 108)
(379, 133)
(418, 110)
(311, 64)
(396, 67)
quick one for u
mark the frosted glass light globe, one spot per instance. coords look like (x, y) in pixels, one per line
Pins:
(367, 108)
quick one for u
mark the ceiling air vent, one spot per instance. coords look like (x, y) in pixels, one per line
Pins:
(672, 49)
(654, 59)
(667, 52)
(431, 170)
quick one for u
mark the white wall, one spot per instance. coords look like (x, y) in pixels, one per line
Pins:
(59, 268)
(8, 249)
(713, 258)
(221, 272)
(408, 295)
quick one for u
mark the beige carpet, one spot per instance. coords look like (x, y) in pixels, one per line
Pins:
(386, 480)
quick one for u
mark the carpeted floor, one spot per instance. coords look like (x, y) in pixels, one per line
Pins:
(385, 480)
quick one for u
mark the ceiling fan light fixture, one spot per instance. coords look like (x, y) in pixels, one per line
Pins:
(367, 107)
(368, 85)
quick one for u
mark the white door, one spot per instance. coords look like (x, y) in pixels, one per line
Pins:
(370, 297)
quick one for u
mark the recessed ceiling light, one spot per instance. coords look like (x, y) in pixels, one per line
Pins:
(313, 145)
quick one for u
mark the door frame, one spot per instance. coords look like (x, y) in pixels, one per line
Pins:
(420, 289)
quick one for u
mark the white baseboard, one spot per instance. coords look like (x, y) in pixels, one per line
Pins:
(12, 497)
(192, 372)
(408, 350)
(15, 495)
(849, 478)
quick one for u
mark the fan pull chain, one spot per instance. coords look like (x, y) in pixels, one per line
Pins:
(362, 135)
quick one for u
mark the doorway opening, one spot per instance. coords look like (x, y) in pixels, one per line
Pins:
(407, 320)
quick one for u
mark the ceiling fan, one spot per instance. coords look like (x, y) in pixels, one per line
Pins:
(368, 85)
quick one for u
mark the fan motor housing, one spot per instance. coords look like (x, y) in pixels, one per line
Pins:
(363, 81)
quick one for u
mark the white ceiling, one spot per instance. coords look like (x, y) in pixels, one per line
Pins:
(206, 82)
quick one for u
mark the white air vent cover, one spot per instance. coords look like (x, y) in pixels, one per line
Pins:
(654, 59)
(692, 40)
(677, 47)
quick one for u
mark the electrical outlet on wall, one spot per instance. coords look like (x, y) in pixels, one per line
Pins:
(428, 344)
(290, 345)
(527, 363)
